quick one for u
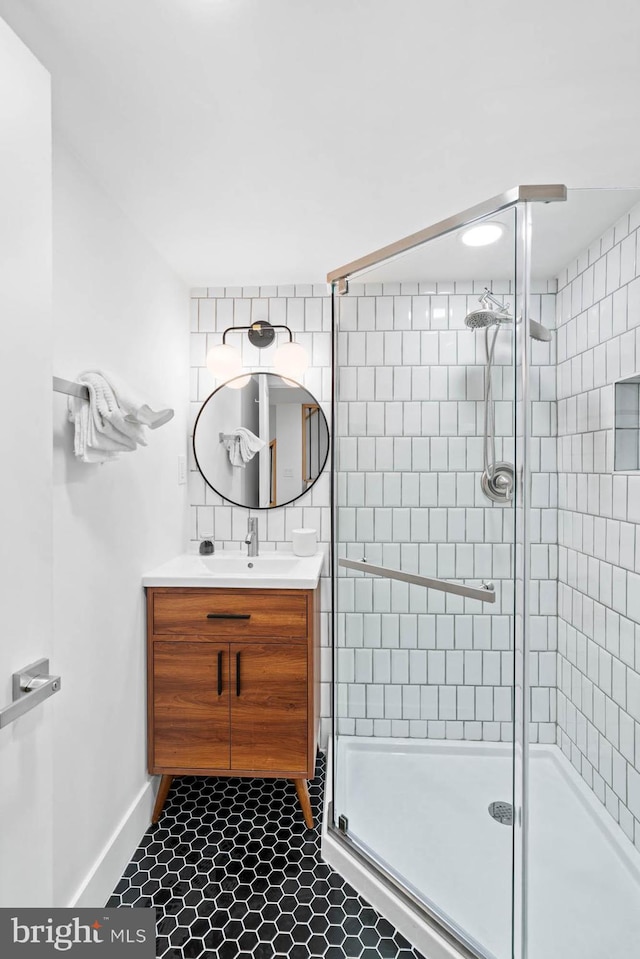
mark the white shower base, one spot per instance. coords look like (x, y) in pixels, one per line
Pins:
(421, 809)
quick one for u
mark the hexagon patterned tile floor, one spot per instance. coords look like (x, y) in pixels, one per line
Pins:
(234, 874)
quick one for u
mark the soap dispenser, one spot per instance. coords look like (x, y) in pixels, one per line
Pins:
(206, 544)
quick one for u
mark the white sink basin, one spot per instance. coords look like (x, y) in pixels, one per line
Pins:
(233, 569)
(228, 563)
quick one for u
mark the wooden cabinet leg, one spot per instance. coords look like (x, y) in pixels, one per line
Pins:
(163, 791)
(302, 790)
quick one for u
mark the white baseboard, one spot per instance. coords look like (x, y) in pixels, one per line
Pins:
(105, 873)
(325, 733)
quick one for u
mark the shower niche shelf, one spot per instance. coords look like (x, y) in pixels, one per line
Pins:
(627, 424)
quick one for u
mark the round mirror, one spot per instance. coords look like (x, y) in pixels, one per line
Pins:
(261, 441)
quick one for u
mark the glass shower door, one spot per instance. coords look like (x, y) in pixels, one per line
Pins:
(424, 577)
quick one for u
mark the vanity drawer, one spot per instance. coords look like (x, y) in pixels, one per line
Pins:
(231, 613)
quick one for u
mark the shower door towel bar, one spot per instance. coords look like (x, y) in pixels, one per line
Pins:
(485, 593)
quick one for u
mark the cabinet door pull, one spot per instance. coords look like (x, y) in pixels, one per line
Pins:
(228, 615)
(220, 673)
(238, 674)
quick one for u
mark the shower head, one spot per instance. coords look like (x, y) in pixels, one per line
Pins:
(482, 318)
(539, 332)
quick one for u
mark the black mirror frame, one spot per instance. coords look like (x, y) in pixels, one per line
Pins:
(244, 505)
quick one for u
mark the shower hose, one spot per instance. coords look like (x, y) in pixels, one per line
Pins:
(489, 413)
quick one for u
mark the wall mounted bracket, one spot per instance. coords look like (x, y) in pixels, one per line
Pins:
(30, 686)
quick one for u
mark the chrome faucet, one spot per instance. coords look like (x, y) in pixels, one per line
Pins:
(251, 538)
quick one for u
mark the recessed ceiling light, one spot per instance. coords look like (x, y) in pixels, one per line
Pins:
(482, 234)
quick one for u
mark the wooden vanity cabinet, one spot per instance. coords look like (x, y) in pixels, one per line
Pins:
(233, 683)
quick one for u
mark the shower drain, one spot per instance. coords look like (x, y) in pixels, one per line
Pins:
(502, 812)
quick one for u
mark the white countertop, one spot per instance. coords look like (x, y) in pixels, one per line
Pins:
(233, 569)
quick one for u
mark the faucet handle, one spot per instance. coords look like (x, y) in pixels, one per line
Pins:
(251, 538)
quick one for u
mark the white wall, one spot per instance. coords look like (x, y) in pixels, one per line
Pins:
(213, 457)
(598, 309)
(289, 455)
(117, 306)
(25, 480)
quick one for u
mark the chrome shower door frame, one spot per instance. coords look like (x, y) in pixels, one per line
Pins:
(550, 193)
(521, 199)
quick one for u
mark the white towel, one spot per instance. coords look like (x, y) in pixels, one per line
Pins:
(109, 418)
(84, 438)
(135, 408)
(102, 427)
(242, 445)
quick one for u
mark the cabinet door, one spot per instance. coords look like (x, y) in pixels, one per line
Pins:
(268, 707)
(191, 705)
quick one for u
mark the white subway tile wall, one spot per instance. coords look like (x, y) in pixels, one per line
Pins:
(598, 341)
(411, 380)
(307, 311)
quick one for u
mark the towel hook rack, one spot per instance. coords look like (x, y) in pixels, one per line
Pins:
(70, 388)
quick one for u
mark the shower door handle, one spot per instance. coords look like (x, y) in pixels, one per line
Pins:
(485, 593)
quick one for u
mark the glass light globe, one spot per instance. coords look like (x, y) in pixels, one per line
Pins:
(290, 360)
(224, 361)
(238, 382)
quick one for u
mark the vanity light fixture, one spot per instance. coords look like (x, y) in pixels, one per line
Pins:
(290, 361)
(482, 234)
(225, 362)
(238, 382)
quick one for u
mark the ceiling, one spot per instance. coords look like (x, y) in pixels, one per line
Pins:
(263, 141)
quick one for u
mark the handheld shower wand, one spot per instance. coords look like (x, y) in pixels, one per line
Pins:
(497, 477)
(484, 317)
